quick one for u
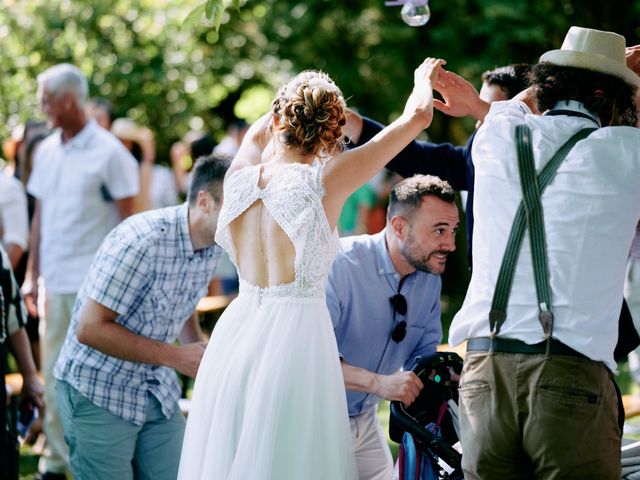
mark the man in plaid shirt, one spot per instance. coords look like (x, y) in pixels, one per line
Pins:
(117, 388)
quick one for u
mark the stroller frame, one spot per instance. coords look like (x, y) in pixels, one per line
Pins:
(435, 373)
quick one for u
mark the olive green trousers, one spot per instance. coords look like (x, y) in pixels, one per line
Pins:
(526, 417)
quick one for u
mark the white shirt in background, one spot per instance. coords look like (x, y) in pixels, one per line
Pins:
(14, 217)
(77, 183)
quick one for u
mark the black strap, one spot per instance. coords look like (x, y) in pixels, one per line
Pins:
(498, 313)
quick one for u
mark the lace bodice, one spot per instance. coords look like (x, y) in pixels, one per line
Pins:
(294, 199)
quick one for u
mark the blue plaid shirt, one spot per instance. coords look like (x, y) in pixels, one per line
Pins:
(147, 271)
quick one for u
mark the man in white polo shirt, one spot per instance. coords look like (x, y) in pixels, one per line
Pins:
(537, 398)
(84, 181)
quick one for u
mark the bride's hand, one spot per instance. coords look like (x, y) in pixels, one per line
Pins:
(420, 103)
(428, 71)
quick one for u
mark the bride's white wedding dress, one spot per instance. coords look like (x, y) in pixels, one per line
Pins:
(269, 400)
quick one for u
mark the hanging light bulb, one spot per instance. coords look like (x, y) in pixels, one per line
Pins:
(415, 13)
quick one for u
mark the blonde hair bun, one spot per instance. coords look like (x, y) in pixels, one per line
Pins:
(311, 113)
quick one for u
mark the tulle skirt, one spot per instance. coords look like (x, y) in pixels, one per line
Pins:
(269, 400)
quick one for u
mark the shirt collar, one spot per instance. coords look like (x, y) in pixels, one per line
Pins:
(576, 106)
(186, 247)
(81, 139)
(383, 259)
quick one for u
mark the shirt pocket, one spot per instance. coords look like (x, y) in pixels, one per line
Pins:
(158, 315)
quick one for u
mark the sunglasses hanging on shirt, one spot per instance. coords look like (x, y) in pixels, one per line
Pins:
(399, 305)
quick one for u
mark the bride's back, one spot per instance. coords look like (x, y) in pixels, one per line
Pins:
(276, 232)
(265, 254)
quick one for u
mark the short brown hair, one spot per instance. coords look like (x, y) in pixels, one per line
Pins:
(406, 197)
(208, 174)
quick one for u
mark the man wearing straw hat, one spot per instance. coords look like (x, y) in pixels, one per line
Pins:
(556, 205)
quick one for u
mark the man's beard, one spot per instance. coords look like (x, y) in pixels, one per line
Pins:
(420, 262)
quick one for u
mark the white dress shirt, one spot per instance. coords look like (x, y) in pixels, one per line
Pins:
(590, 214)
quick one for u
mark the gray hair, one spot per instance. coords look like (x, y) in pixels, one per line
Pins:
(63, 78)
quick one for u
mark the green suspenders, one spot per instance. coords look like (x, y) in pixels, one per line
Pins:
(529, 214)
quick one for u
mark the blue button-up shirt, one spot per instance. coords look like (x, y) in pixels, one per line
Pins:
(147, 271)
(361, 282)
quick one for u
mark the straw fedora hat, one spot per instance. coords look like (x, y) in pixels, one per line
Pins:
(594, 50)
(126, 129)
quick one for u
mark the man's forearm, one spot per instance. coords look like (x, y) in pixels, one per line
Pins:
(97, 328)
(402, 386)
(358, 379)
(33, 264)
(117, 341)
(21, 348)
(14, 252)
(126, 207)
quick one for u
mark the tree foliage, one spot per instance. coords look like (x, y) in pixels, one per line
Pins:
(177, 65)
(182, 64)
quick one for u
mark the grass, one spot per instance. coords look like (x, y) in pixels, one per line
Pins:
(28, 463)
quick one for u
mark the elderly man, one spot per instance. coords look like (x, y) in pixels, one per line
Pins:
(556, 201)
(383, 295)
(84, 182)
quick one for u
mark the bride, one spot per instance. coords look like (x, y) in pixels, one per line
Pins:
(269, 399)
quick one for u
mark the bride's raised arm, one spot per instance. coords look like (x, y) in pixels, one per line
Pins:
(349, 170)
(253, 144)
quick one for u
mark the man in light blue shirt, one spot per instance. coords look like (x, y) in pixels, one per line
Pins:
(383, 294)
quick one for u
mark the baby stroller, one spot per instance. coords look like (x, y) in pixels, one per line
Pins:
(428, 429)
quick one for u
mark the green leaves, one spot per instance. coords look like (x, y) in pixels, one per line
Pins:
(210, 13)
(214, 9)
(165, 62)
(195, 17)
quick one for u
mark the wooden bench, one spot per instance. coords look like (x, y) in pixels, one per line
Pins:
(213, 304)
(209, 310)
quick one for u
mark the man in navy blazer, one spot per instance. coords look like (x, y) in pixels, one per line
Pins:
(449, 162)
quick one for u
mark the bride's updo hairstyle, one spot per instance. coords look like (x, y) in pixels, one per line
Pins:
(311, 112)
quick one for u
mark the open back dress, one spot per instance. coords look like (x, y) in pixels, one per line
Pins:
(269, 399)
